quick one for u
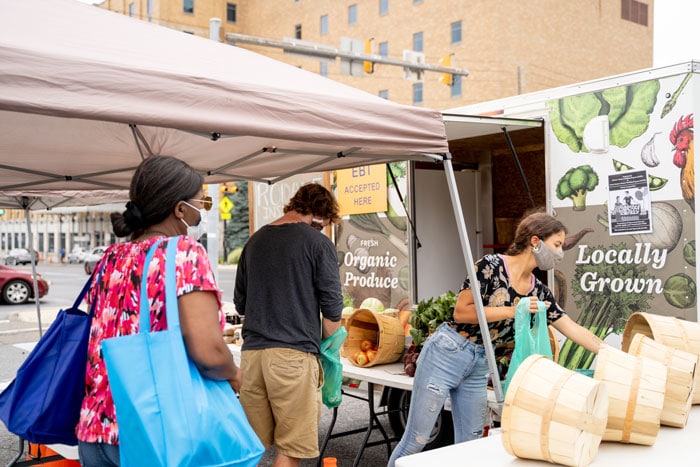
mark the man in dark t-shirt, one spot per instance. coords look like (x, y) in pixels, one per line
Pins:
(287, 274)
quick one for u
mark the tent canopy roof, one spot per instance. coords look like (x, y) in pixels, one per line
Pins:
(85, 94)
(59, 201)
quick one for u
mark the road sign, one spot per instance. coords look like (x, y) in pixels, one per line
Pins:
(225, 216)
(225, 205)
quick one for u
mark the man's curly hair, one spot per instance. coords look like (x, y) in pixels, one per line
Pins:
(316, 200)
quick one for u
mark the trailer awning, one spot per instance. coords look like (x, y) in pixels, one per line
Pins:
(470, 126)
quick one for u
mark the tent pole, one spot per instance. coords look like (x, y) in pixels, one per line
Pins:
(469, 261)
(25, 205)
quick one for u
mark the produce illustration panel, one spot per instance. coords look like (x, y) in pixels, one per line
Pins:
(608, 273)
(373, 253)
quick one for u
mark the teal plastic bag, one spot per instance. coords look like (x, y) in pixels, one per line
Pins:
(529, 339)
(332, 368)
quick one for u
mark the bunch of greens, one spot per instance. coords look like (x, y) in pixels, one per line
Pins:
(429, 314)
(603, 311)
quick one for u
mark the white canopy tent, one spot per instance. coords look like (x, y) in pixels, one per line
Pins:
(86, 94)
(96, 91)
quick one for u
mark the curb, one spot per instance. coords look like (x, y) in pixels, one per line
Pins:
(48, 315)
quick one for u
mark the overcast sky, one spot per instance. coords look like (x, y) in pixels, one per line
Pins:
(676, 31)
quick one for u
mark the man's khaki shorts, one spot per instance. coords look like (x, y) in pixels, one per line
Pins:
(281, 396)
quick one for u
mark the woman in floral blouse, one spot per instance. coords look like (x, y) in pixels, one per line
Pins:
(166, 200)
(453, 362)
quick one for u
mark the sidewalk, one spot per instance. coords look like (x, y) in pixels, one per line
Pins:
(27, 318)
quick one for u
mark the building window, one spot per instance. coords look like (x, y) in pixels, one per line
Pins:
(456, 88)
(417, 93)
(324, 25)
(352, 14)
(456, 32)
(324, 69)
(635, 11)
(231, 12)
(297, 31)
(384, 94)
(383, 7)
(384, 49)
(418, 42)
(132, 9)
(188, 6)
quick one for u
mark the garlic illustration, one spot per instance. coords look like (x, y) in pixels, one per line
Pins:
(649, 153)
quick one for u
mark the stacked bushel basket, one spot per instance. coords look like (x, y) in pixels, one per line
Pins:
(561, 416)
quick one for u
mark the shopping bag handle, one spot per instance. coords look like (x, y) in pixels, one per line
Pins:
(92, 280)
(144, 304)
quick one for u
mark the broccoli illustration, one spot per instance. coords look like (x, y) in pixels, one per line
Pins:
(576, 183)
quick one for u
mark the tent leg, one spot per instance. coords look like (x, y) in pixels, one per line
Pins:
(33, 263)
(469, 261)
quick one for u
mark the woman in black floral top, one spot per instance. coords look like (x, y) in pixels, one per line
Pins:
(453, 362)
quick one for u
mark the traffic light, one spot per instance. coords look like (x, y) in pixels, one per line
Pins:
(367, 65)
(446, 61)
(227, 188)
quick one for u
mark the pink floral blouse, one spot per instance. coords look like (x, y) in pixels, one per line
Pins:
(116, 314)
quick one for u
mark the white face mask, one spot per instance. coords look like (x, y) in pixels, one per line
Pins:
(196, 231)
(545, 257)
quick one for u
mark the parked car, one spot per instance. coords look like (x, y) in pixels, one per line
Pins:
(77, 255)
(93, 258)
(20, 256)
(17, 285)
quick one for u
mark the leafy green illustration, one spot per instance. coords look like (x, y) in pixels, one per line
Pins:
(689, 252)
(627, 107)
(641, 99)
(577, 111)
(680, 291)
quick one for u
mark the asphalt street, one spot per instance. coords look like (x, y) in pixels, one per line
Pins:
(19, 326)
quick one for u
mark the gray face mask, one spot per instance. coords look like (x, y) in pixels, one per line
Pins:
(545, 257)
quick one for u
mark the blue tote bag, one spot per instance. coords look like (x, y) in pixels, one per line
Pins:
(168, 414)
(42, 404)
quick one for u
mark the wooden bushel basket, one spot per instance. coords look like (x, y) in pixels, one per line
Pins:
(679, 385)
(553, 414)
(385, 330)
(636, 388)
(673, 332)
(553, 343)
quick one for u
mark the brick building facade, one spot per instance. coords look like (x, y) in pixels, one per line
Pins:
(509, 47)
